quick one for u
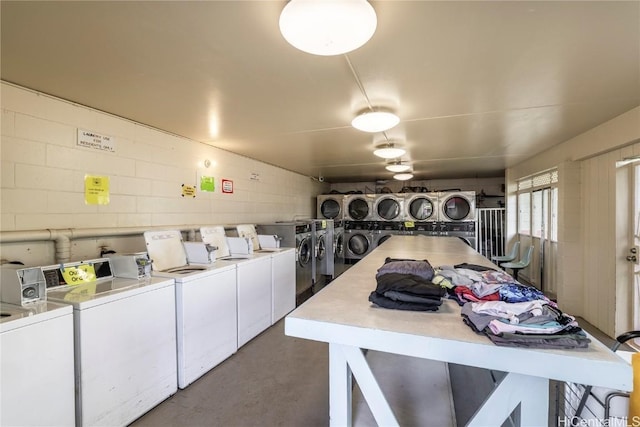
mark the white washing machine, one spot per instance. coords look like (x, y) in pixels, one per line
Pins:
(125, 340)
(330, 206)
(36, 363)
(359, 207)
(358, 240)
(253, 284)
(457, 206)
(421, 207)
(205, 305)
(389, 207)
(283, 289)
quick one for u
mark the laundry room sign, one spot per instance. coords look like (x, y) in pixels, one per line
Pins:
(96, 141)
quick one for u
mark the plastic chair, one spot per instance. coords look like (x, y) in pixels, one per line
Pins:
(519, 265)
(515, 250)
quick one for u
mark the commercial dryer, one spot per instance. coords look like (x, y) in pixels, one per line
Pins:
(421, 207)
(330, 206)
(457, 206)
(359, 207)
(388, 207)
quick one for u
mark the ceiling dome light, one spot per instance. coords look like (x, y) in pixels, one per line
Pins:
(375, 121)
(397, 166)
(328, 27)
(389, 151)
(403, 176)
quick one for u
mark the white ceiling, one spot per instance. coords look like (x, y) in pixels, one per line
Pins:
(478, 85)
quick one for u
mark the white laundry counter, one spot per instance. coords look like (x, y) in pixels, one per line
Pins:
(342, 316)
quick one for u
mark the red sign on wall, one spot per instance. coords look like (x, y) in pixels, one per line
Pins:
(227, 186)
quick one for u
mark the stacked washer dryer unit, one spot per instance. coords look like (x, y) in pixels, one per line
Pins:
(388, 211)
(421, 210)
(457, 215)
(359, 221)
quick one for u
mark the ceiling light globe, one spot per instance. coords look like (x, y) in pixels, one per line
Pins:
(328, 27)
(403, 176)
(397, 167)
(389, 152)
(375, 121)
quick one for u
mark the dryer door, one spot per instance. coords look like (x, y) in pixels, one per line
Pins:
(388, 209)
(456, 208)
(421, 209)
(322, 247)
(330, 209)
(358, 209)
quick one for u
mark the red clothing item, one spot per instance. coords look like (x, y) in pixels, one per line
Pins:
(466, 294)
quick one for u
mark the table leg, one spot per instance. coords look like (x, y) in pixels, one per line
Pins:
(340, 396)
(343, 361)
(532, 393)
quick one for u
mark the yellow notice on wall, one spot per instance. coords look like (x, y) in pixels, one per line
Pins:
(84, 273)
(96, 190)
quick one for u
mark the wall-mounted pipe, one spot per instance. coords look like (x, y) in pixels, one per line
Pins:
(62, 237)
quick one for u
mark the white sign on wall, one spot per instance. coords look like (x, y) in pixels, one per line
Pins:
(96, 141)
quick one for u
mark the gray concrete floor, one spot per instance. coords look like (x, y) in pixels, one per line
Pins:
(274, 380)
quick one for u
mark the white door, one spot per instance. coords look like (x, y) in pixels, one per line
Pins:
(634, 246)
(628, 248)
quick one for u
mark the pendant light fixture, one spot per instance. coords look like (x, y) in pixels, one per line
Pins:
(397, 166)
(328, 27)
(376, 120)
(388, 150)
(403, 176)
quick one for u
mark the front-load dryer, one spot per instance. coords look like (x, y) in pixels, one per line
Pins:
(457, 206)
(421, 207)
(36, 362)
(330, 206)
(119, 326)
(389, 207)
(359, 207)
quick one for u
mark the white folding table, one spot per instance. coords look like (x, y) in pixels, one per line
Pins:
(342, 316)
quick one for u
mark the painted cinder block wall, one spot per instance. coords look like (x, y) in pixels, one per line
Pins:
(43, 169)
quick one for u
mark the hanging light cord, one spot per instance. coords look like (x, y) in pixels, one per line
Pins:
(364, 92)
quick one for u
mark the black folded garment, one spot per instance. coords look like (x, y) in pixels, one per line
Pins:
(474, 267)
(409, 297)
(408, 283)
(384, 302)
(420, 268)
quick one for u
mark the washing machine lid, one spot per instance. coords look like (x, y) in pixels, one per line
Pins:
(215, 236)
(15, 316)
(165, 249)
(249, 231)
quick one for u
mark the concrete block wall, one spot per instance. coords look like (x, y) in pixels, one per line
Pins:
(43, 171)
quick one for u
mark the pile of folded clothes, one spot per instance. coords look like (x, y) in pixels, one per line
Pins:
(531, 324)
(475, 283)
(405, 284)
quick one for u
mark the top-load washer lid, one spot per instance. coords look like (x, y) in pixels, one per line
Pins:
(249, 231)
(166, 250)
(215, 236)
